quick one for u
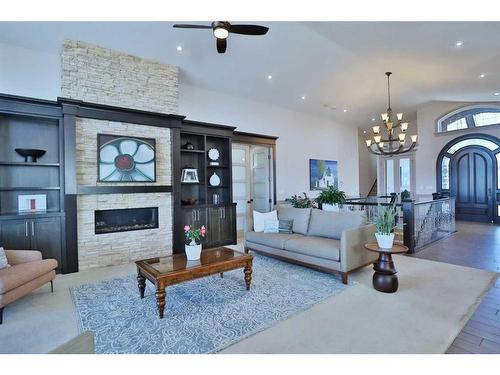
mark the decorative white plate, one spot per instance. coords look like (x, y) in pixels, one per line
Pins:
(213, 154)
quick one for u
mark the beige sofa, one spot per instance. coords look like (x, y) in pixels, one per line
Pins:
(26, 273)
(328, 241)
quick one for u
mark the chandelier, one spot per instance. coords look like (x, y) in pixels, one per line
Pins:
(392, 145)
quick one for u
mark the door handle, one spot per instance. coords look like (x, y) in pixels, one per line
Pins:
(26, 229)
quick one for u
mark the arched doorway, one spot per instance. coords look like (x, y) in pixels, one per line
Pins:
(468, 170)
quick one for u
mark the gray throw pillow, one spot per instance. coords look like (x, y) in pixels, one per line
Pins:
(286, 226)
(3, 259)
(300, 217)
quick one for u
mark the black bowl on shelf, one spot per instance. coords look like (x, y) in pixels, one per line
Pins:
(30, 153)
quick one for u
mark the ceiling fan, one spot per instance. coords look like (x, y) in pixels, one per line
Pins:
(221, 30)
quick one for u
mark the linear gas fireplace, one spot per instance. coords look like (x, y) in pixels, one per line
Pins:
(123, 220)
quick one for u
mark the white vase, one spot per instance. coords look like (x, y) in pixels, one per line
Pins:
(330, 207)
(385, 241)
(214, 180)
(193, 252)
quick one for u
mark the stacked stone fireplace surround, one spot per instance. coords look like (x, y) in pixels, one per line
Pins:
(99, 75)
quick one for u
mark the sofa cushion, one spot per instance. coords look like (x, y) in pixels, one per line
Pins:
(20, 274)
(315, 246)
(285, 226)
(331, 224)
(300, 217)
(276, 240)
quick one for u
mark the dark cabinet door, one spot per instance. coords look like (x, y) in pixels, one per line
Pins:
(227, 228)
(214, 229)
(14, 235)
(222, 224)
(196, 218)
(46, 238)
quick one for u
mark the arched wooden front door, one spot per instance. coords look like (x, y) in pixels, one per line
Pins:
(468, 169)
(472, 184)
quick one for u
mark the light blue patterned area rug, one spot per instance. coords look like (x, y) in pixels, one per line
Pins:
(201, 316)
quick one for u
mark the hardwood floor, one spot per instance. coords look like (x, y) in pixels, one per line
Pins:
(474, 245)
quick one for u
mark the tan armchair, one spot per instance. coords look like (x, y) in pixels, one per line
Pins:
(28, 272)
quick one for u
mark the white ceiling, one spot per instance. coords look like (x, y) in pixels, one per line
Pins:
(341, 64)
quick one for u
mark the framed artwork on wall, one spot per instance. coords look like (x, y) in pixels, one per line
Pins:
(322, 174)
(126, 159)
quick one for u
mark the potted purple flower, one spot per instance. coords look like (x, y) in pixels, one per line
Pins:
(193, 249)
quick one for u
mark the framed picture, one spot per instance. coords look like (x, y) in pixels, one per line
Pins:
(322, 174)
(32, 203)
(189, 176)
(126, 159)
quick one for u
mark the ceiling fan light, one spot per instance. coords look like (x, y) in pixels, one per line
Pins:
(414, 138)
(376, 129)
(400, 116)
(221, 33)
(402, 137)
(368, 142)
(404, 126)
(385, 117)
(377, 138)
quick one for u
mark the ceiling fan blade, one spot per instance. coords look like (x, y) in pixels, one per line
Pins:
(186, 26)
(221, 45)
(248, 29)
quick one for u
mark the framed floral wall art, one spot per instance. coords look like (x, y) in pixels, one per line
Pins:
(126, 159)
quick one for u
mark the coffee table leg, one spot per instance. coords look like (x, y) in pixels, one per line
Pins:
(384, 278)
(160, 299)
(248, 275)
(141, 283)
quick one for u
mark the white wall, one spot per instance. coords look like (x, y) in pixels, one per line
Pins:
(26, 72)
(301, 136)
(430, 143)
(367, 165)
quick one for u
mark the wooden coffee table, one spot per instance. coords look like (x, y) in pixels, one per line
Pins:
(384, 278)
(176, 269)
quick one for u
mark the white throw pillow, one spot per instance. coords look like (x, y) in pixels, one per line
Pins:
(260, 218)
(271, 226)
(3, 259)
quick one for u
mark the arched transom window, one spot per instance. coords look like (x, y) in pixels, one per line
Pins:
(469, 117)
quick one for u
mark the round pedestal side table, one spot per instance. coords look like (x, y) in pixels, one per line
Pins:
(384, 278)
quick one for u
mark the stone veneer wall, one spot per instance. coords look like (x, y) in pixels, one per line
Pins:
(121, 247)
(100, 75)
(110, 249)
(86, 149)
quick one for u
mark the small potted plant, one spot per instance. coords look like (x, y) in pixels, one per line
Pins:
(193, 249)
(385, 221)
(331, 199)
(299, 201)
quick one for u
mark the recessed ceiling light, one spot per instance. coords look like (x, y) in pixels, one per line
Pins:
(345, 110)
(179, 48)
(303, 97)
(269, 77)
(459, 43)
(496, 93)
(482, 75)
